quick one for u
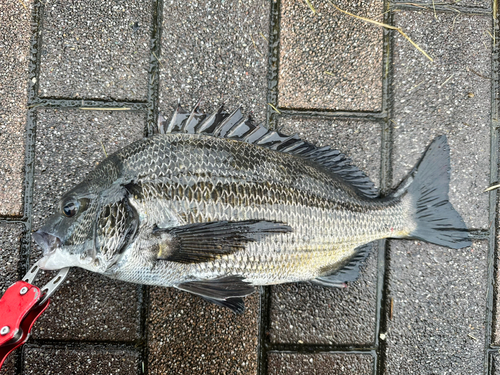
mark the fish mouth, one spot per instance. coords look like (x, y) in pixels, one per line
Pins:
(48, 242)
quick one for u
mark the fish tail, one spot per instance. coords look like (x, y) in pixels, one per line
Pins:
(427, 185)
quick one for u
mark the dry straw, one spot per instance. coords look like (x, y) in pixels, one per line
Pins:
(273, 107)
(398, 29)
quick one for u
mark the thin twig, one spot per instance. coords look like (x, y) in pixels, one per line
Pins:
(415, 45)
(255, 46)
(492, 187)
(273, 107)
(24, 5)
(398, 29)
(476, 73)
(492, 36)
(414, 87)
(444, 83)
(310, 6)
(329, 73)
(262, 35)
(103, 148)
(154, 54)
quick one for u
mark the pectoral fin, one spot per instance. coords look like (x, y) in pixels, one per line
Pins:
(203, 242)
(226, 291)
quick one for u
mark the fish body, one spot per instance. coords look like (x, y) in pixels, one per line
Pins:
(215, 205)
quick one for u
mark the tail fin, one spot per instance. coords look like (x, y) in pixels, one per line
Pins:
(428, 185)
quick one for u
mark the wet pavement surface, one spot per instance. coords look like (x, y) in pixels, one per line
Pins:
(325, 75)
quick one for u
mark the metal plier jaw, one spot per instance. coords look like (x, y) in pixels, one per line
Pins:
(20, 307)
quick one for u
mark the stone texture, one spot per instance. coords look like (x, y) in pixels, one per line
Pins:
(10, 245)
(65, 361)
(216, 51)
(329, 60)
(95, 50)
(439, 305)
(68, 145)
(320, 364)
(187, 335)
(9, 366)
(449, 96)
(358, 139)
(495, 360)
(15, 46)
(311, 314)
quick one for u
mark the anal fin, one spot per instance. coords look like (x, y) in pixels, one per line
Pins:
(347, 272)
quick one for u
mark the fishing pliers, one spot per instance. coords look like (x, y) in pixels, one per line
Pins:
(21, 305)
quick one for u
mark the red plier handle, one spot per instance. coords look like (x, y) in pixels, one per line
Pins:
(20, 307)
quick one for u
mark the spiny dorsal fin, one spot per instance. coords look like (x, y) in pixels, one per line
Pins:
(238, 127)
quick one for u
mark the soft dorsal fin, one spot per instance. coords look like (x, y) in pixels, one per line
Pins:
(237, 126)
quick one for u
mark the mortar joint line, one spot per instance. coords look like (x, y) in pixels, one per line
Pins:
(493, 202)
(439, 8)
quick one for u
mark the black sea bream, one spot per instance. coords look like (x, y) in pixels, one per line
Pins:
(215, 205)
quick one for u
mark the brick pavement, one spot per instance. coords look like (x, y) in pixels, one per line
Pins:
(335, 80)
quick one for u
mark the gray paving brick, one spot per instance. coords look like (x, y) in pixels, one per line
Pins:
(449, 96)
(214, 50)
(358, 139)
(14, 44)
(68, 146)
(305, 313)
(439, 307)
(320, 364)
(187, 335)
(495, 359)
(330, 60)
(10, 245)
(95, 50)
(9, 366)
(65, 361)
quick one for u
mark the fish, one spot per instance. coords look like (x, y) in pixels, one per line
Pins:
(217, 205)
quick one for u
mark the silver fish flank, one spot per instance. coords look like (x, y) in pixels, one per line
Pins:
(215, 205)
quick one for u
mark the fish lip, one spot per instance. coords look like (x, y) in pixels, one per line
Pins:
(48, 242)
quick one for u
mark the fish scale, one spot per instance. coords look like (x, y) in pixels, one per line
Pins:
(216, 205)
(317, 222)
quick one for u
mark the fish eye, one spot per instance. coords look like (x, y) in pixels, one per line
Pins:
(70, 209)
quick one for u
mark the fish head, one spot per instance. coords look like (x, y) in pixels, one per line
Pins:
(89, 230)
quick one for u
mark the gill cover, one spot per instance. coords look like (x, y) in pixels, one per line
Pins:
(90, 230)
